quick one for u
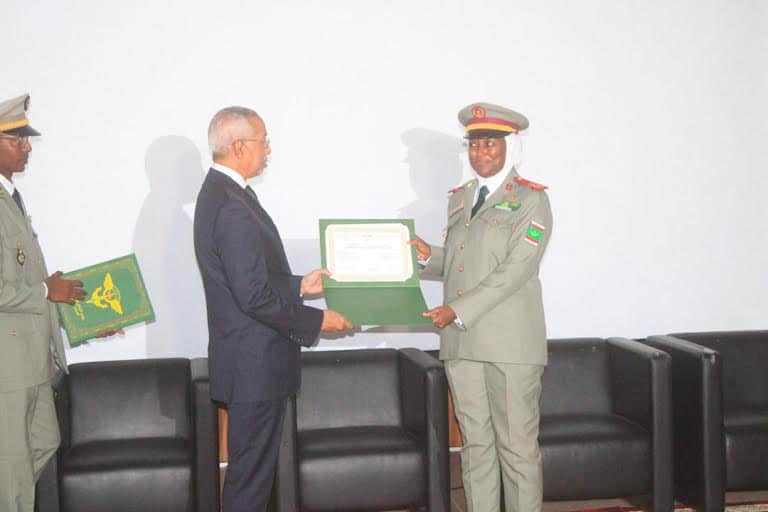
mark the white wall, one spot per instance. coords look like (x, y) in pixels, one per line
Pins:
(648, 122)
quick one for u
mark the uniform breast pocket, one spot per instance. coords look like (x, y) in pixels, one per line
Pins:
(497, 229)
(494, 219)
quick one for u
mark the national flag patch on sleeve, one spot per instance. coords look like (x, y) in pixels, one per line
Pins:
(534, 233)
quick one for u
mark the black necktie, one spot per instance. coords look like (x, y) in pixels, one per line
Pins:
(252, 194)
(480, 199)
(17, 197)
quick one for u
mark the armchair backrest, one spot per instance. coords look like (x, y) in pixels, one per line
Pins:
(577, 379)
(744, 357)
(349, 388)
(145, 398)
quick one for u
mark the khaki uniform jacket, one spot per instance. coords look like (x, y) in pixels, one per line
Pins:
(490, 270)
(30, 335)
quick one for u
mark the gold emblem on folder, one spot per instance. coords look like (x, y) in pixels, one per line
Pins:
(105, 296)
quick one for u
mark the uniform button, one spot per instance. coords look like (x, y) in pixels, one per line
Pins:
(495, 221)
(466, 225)
(461, 246)
(461, 268)
(459, 292)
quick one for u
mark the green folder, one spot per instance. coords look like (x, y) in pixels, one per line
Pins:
(115, 297)
(375, 303)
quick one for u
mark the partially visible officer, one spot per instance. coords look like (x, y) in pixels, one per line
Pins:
(31, 348)
(493, 340)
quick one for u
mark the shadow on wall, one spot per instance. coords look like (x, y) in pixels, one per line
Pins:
(435, 163)
(164, 247)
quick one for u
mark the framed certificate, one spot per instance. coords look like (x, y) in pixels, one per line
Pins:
(115, 297)
(374, 276)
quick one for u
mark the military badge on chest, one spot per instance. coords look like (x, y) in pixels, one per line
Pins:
(20, 256)
(510, 203)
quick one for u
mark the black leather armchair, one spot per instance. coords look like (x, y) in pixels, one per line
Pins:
(721, 413)
(135, 436)
(605, 428)
(367, 431)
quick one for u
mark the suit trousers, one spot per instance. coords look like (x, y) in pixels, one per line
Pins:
(497, 405)
(29, 436)
(253, 440)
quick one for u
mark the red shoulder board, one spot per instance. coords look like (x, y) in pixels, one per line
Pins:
(530, 184)
(456, 189)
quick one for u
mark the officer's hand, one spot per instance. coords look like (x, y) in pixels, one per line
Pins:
(423, 249)
(441, 315)
(335, 322)
(110, 332)
(312, 283)
(64, 290)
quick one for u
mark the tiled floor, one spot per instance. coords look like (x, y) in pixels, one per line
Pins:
(459, 503)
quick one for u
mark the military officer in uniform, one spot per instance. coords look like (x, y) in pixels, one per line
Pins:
(492, 339)
(31, 348)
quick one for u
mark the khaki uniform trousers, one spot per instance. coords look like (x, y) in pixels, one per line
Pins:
(497, 405)
(29, 436)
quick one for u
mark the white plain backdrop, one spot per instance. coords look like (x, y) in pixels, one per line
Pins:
(648, 122)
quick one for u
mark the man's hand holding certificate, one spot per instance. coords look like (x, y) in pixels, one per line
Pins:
(374, 280)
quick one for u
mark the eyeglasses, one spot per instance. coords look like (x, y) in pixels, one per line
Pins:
(476, 143)
(21, 142)
(264, 142)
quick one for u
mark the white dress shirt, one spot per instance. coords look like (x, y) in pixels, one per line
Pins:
(230, 173)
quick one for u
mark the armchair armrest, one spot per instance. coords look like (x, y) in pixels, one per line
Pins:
(697, 425)
(640, 380)
(47, 488)
(61, 401)
(424, 399)
(206, 438)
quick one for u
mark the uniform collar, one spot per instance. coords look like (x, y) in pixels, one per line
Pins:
(494, 182)
(7, 185)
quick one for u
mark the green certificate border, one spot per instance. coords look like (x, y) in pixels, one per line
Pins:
(376, 303)
(413, 280)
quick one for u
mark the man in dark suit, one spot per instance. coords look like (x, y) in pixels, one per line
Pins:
(256, 319)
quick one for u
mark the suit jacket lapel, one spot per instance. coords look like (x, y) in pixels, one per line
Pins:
(261, 212)
(261, 215)
(469, 199)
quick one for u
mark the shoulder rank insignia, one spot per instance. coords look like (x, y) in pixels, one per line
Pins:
(530, 184)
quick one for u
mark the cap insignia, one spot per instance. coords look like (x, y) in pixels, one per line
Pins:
(478, 111)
